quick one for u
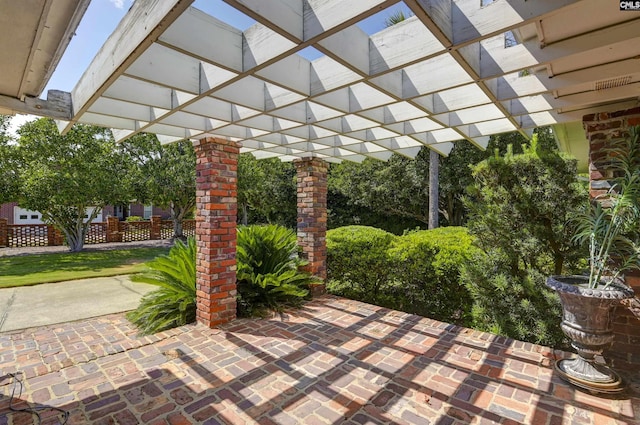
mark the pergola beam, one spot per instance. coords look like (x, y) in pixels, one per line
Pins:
(143, 23)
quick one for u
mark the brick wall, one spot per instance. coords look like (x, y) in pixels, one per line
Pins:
(6, 211)
(600, 129)
(216, 214)
(312, 215)
(4, 234)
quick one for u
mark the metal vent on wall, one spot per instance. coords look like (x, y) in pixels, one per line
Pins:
(613, 82)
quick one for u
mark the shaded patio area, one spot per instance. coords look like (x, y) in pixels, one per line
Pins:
(334, 361)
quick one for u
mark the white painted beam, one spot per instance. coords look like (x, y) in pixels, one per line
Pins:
(495, 59)
(471, 20)
(261, 45)
(321, 16)
(144, 22)
(286, 15)
(402, 43)
(216, 41)
(57, 105)
(352, 45)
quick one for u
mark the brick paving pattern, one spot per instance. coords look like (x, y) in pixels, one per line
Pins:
(335, 361)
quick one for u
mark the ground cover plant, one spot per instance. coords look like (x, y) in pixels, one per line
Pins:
(57, 267)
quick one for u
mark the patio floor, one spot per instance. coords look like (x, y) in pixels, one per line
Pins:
(335, 361)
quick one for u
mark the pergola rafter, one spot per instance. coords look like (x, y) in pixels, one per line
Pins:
(445, 74)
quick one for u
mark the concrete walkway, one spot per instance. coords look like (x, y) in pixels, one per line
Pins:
(51, 303)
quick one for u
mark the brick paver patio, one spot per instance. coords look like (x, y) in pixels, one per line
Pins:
(335, 361)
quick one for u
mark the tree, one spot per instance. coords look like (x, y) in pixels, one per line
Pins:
(70, 178)
(8, 167)
(519, 207)
(266, 191)
(522, 203)
(397, 187)
(166, 176)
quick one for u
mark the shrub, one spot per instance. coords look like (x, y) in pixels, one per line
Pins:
(417, 272)
(519, 208)
(174, 303)
(358, 263)
(517, 306)
(269, 275)
(133, 218)
(427, 267)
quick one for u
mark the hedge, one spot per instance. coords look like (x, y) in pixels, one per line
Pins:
(418, 272)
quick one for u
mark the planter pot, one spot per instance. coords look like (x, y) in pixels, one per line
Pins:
(587, 319)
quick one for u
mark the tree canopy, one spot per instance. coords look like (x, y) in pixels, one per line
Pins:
(165, 176)
(266, 191)
(8, 167)
(63, 176)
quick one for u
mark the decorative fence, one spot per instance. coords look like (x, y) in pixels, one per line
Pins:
(25, 235)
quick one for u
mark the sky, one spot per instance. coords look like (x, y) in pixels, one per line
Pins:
(103, 16)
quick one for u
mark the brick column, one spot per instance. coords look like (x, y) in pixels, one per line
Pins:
(4, 233)
(54, 236)
(156, 227)
(216, 214)
(312, 215)
(113, 229)
(600, 129)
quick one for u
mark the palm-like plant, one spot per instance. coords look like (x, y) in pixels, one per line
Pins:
(610, 226)
(269, 275)
(174, 302)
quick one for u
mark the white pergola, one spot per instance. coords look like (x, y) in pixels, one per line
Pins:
(458, 69)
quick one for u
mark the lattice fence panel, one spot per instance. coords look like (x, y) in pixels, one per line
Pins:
(189, 228)
(166, 229)
(97, 233)
(135, 231)
(27, 235)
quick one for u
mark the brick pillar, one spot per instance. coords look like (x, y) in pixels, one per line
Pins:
(113, 229)
(312, 216)
(216, 214)
(156, 227)
(4, 233)
(601, 129)
(54, 236)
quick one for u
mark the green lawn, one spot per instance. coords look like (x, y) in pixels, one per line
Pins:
(45, 268)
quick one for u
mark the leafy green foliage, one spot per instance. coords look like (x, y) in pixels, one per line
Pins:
(266, 191)
(519, 207)
(63, 175)
(609, 226)
(427, 263)
(398, 187)
(517, 306)
(174, 302)
(417, 272)
(394, 195)
(521, 203)
(358, 263)
(9, 179)
(269, 275)
(165, 176)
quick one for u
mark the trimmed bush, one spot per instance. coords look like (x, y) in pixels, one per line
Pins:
(418, 272)
(358, 263)
(427, 266)
(269, 275)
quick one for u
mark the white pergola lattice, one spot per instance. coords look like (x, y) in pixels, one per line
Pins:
(440, 76)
